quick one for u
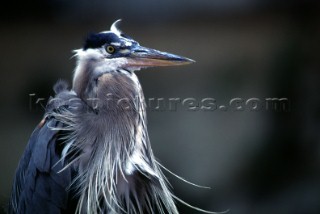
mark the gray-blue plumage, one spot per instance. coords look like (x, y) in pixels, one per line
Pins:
(38, 187)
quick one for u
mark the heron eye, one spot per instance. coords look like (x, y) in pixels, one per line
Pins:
(110, 49)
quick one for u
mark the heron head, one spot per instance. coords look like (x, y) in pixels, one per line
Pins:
(119, 51)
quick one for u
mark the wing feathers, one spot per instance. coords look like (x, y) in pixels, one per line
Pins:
(38, 186)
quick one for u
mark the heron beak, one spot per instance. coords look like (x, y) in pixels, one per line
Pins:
(147, 57)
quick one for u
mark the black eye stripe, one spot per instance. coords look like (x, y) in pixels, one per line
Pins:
(98, 40)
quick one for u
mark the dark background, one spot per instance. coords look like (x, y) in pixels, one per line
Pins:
(264, 161)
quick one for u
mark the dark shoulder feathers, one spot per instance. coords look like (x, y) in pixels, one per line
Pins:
(40, 185)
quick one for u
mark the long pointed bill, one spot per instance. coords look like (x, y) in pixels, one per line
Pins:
(146, 57)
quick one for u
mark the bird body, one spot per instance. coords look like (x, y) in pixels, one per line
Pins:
(91, 153)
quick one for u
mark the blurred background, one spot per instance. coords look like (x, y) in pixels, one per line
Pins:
(264, 161)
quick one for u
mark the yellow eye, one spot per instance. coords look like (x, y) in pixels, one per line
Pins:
(110, 49)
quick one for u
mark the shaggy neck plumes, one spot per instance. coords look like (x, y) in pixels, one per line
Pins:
(108, 145)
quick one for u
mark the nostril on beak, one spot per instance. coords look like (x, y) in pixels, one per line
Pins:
(140, 51)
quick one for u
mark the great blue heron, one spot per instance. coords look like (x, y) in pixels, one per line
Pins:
(91, 152)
